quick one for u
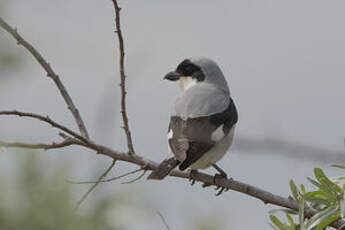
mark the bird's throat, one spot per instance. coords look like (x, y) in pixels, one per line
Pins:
(186, 83)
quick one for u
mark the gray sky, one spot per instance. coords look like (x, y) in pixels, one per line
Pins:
(283, 61)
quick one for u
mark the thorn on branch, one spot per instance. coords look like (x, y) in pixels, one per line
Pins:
(118, 30)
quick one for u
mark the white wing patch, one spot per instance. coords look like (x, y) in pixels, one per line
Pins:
(218, 134)
(170, 134)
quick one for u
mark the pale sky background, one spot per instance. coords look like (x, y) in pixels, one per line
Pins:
(284, 62)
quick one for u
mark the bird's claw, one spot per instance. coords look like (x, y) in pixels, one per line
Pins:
(204, 185)
(216, 177)
(191, 178)
(219, 176)
(220, 189)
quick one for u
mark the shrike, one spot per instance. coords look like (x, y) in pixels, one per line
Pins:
(202, 124)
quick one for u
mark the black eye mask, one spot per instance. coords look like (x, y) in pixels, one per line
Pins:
(187, 68)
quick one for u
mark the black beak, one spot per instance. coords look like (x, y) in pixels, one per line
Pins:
(172, 76)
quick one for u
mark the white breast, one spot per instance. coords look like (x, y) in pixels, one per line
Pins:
(216, 153)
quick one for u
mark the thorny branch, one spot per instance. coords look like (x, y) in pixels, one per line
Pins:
(123, 79)
(50, 73)
(145, 164)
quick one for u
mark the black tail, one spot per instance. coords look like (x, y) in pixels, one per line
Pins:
(164, 169)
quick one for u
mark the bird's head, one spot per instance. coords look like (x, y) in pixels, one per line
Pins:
(196, 70)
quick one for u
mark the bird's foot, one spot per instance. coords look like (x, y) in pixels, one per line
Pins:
(220, 175)
(191, 176)
(220, 189)
(204, 185)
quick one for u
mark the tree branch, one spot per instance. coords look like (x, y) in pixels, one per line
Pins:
(44, 119)
(123, 79)
(65, 143)
(163, 220)
(231, 184)
(108, 180)
(144, 163)
(137, 178)
(50, 73)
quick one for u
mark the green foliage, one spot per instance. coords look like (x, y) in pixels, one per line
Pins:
(328, 199)
(37, 199)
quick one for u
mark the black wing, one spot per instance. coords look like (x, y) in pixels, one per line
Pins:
(192, 137)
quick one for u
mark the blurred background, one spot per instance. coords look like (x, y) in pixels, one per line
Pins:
(284, 62)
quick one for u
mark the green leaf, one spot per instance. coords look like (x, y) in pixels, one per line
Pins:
(302, 188)
(315, 194)
(328, 192)
(285, 210)
(294, 190)
(340, 181)
(278, 223)
(320, 202)
(338, 166)
(321, 216)
(292, 224)
(318, 197)
(324, 180)
(342, 208)
(301, 214)
(327, 222)
(314, 182)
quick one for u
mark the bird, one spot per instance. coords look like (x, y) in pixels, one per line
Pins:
(202, 124)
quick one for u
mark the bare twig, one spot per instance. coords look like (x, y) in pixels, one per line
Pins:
(123, 79)
(137, 178)
(44, 119)
(163, 220)
(95, 185)
(50, 73)
(231, 184)
(65, 143)
(107, 180)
